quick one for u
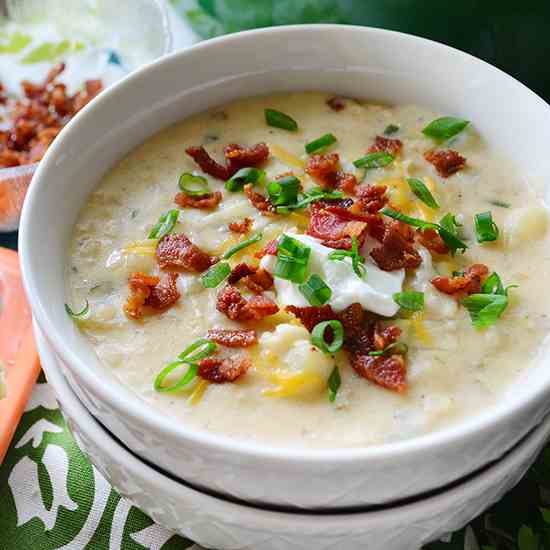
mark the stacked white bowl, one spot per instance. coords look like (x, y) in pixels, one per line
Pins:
(359, 62)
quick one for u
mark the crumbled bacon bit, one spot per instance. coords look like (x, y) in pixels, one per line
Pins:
(237, 157)
(241, 227)
(239, 272)
(336, 103)
(325, 169)
(462, 285)
(39, 117)
(150, 292)
(204, 202)
(397, 251)
(232, 338)
(176, 251)
(352, 319)
(335, 226)
(256, 279)
(270, 249)
(370, 198)
(220, 370)
(312, 315)
(237, 308)
(386, 145)
(447, 162)
(263, 204)
(431, 239)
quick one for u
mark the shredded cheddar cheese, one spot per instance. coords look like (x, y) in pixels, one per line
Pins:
(286, 157)
(422, 333)
(288, 386)
(147, 247)
(198, 393)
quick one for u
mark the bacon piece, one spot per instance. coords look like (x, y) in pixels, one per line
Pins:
(312, 315)
(462, 285)
(203, 202)
(256, 279)
(148, 291)
(232, 338)
(335, 226)
(176, 251)
(54, 72)
(325, 169)
(370, 198)
(352, 319)
(269, 249)
(336, 103)
(263, 204)
(397, 251)
(431, 239)
(237, 308)
(220, 370)
(239, 272)
(241, 227)
(446, 162)
(386, 145)
(237, 157)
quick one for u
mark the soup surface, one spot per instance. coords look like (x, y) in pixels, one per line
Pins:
(380, 310)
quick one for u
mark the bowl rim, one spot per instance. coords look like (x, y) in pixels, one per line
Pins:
(151, 418)
(104, 439)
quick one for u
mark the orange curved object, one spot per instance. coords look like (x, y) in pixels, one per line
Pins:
(17, 347)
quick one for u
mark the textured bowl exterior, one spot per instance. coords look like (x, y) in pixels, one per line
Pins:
(351, 61)
(220, 524)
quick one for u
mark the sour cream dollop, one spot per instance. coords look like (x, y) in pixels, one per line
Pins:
(374, 291)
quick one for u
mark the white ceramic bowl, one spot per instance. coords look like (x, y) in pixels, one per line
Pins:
(221, 524)
(352, 61)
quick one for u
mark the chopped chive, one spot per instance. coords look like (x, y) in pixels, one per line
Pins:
(280, 120)
(357, 261)
(215, 275)
(397, 348)
(486, 228)
(485, 309)
(320, 143)
(444, 128)
(78, 314)
(292, 260)
(165, 225)
(315, 290)
(448, 222)
(391, 129)
(501, 204)
(244, 176)
(205, 348)
(411, 300)
(379, 159)
(234, 249)
(315, 194)
(418, 187)
(194, 186)
(284, 191)
(334, 383)
(318, 336)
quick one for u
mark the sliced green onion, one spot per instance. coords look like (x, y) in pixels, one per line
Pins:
(320, 143)
(205, 348)
(215, 275)
(448, 222)
(412, 300)
(284, 191)
(334, 383)
(314, 194)
(357, 261)
(379, 159)
(485, 309)
(194, 186)
(418, 187)
(280, 120)
(244, 176)
(292, 260)
(391, 129)
(444, 128)
(453, 243)
(165, 225)
(234, 249)
(501, 204)
(318, 336)
(486, 228)
(397, 348)
(316, 291)
(78, 314)
(187, 377)
(493, 285)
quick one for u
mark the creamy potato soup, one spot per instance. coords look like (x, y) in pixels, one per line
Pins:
(314, 271)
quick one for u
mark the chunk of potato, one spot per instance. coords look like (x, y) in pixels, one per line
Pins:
(526, 224)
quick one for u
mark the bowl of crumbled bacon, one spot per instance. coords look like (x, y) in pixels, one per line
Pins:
(314, 276)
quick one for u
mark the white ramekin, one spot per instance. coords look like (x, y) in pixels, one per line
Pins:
(353, 61)
(224, 525)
